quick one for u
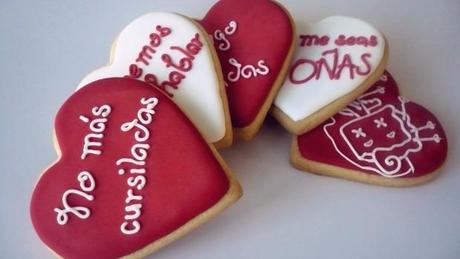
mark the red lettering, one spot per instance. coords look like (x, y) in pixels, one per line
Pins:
(151, 79)
(192, 48)
(323, 41)
(184, 65)
(334, 67)
(181, 66)
(296, 66)
(175, 78)
(134, 71)
(362, 41)
(147, 51)
(309, 40)
(373, 41)
(183, 51)
(155, 40)
(196, 41)
(351, 41)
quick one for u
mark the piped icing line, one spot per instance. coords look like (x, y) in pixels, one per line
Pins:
(379, 133)
(108, 194)
(92, 141)
(254, 55)
(392, 164)
(220, 36)
(238, 71)
(84, 192)
(139, 152)
(334, 57)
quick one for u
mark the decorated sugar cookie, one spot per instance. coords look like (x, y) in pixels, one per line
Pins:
(173, 53)
(133, 175)
(254, 42)
(337, 59)
(380, 138)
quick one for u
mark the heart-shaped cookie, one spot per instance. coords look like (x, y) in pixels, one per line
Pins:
(254, 41)
(173, 53)
(337, 59)
(133, 175)
(380, 138)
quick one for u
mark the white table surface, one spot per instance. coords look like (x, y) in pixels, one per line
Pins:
(46, 47)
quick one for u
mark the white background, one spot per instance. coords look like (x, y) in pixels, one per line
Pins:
(46, 47)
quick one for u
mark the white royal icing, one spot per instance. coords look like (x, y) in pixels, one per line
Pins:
(87, 184)
(298, 99)
(198, 94)
(397, 151)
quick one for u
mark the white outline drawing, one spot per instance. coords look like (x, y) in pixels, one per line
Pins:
(395, 161)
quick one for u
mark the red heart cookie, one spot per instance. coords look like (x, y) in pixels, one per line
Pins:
(254, 41)
(133, 175)
(380, 138)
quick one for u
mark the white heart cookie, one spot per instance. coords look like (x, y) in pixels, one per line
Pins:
(172, 52)
(337, 57)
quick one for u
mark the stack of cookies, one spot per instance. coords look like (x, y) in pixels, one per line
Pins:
(138, 163)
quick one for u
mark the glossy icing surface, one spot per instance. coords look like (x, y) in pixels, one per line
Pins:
(252, 39)
(133, 169)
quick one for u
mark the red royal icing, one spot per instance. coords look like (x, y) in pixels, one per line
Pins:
(259, 44)
(131, 161)
(379, 133)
